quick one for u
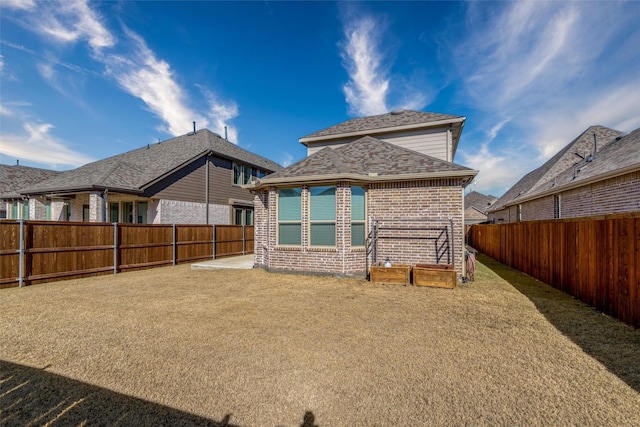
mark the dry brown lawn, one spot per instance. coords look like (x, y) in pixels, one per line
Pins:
(175, 346)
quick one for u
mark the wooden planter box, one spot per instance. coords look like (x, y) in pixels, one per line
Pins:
(399, 274)
(437, 275)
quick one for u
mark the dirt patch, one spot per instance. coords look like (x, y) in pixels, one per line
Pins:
(252, 348)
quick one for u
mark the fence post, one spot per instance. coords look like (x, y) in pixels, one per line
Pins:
(115, 248)
(21, 254)
(214, 241)
(173, 243)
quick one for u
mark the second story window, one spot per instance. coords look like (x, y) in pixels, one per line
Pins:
(242, 174)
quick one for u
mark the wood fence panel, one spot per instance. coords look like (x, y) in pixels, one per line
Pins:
(9, 256)
(56, 250)
(194, 242)
(144, 245)
(229, 240)
(597, 260)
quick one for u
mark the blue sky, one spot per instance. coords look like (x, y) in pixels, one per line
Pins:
(81, 81)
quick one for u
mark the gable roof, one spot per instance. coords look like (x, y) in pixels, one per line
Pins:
(393, 122)
(134, 170)
(473, 213)
(366, 159)
(544, 176)
(13, 178)
(479, 201)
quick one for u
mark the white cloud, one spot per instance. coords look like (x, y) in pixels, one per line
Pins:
(220, 114)
(72, 20)
(37, 145)
(286, 160)
(497, 173)
(19, 4)
(366, 91)
(151, 79)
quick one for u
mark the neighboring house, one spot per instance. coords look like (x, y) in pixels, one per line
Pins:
(12, 178)
(317, 215)
(432, 134)
(193, 178)
(598, 173)
(476, 206)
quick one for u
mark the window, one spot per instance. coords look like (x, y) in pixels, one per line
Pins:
(14, 210)
(85, 213)
(358, 216)
(248, 171)
(114, 212)
(261, 174)
(289, 216)
(237, 173)
(127, 212)
(243, 216)
(322, 216)
(141, 212)
(25, 210)
(47, 210)
(556, 206)
(519, 213)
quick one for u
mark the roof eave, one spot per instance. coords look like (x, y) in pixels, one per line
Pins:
(313, 139)
(74, 190)
(354, 177)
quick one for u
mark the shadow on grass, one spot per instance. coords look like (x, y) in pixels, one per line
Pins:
(611, 342)
(30, 396)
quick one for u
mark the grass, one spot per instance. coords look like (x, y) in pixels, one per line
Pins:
(250, 348)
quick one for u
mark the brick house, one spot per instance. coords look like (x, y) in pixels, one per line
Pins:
(195, 178)
(598, 173)
(318, 215)
(476, 206)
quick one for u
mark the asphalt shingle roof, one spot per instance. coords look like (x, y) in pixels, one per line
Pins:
(133, 170)
(382, 121)
(364, 157)
(541, 178)
(479, 201)
(14, 178)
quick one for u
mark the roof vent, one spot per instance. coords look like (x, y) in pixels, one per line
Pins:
(397, 111)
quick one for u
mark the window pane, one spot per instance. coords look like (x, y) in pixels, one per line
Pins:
(127, 212)
(85, 213)
(357, 204)
(142, 212)
(237, 220)
(248, 217)
(357, 234)
(237, 174)
(289, 234)
(14, 210)
(247, 174)
(47, 210)
(323, 203)
(114, 211)
(323, 234)
(289, 203)
(25, 210)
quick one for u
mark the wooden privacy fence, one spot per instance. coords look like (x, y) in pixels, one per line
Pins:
(594, 260)
(43, 251)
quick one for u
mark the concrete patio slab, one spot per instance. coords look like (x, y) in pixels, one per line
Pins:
(243, 262)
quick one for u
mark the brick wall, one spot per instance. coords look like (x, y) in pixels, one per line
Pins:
(434, 199)
(177, 212)
(615, 195)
